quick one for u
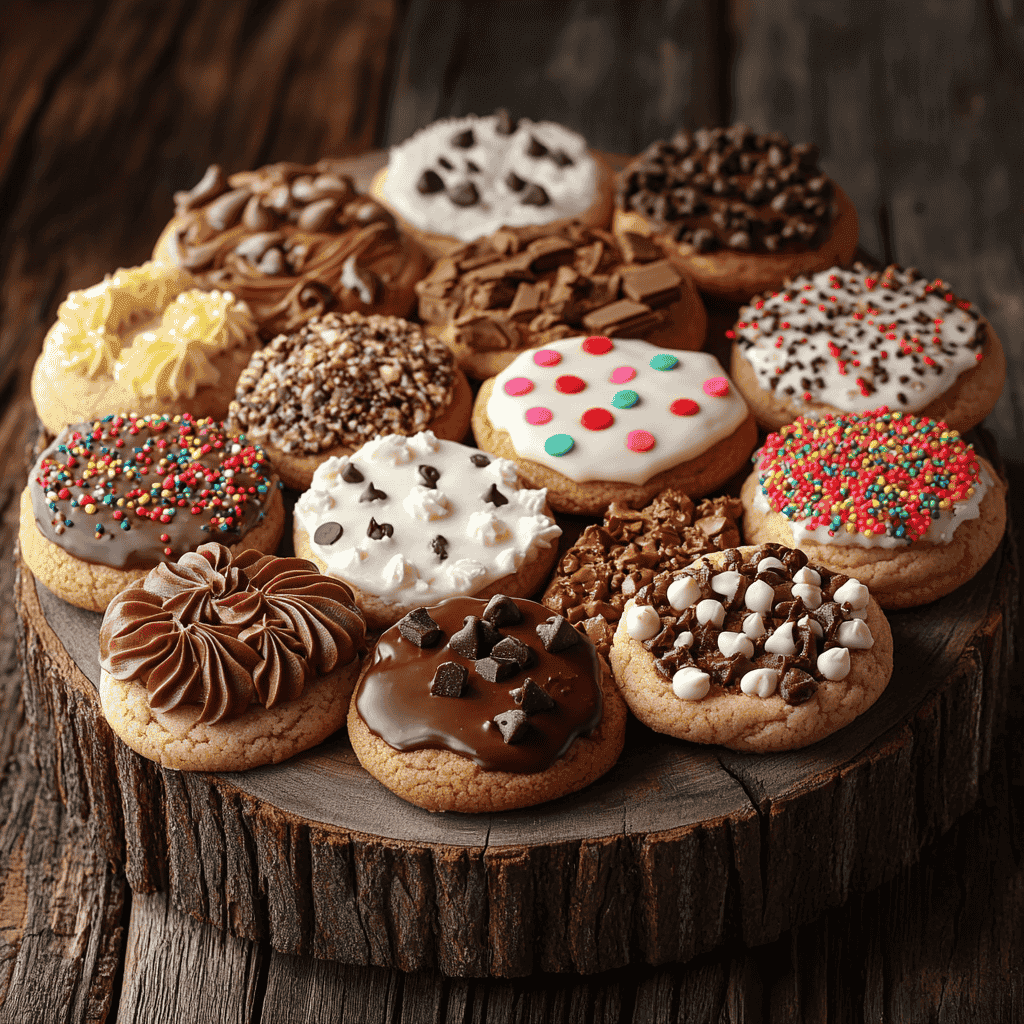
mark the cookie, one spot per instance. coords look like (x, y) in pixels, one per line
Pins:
(738, 212)
(108, 501)
(854, 340)
(482, 706)
(222, 663)
(146, 339)
(294, 241)
(596, 420)
(407, 521)
(610, 563)
(525, 287)
(902, 503)
(462, 178)
(339, 380)
(752, 648)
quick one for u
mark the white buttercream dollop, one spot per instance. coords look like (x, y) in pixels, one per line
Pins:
(690, 683)
(682, 592)
(834, 664)
(759, 596)
(853, 593)
(711, 611)
(759, 682)
(730, 643)
(642, 622)
(726, 583)
(856, 635)
(781, 641)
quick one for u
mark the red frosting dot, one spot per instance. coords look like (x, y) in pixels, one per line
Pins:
(639, 441)
(518, 386)
(567, 384)
(716, 387)
(597, 419)
(684, 407)
(597, 345)
(547, 357)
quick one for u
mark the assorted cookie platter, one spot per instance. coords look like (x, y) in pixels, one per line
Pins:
(493, 807)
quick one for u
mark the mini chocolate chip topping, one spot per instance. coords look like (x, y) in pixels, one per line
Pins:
(340, 381)
(429, 182)
(534, 195)
(378, 531)
(464, 139)
(464, 194)
(429, 475)
(731, 188)
(372, 493)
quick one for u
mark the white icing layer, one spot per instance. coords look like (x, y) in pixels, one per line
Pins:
(484, 541)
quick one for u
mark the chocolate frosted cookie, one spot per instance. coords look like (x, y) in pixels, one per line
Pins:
(411, 520)
(462, 178)
(738, 211)
(610, 563)
(337, 381)
(854, 340)
(109, 500)
(525, 287)
(294, 241)
(482, 706)
(752, 648)
(222, 663)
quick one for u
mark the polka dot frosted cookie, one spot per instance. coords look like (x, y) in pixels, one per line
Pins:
(597, 420)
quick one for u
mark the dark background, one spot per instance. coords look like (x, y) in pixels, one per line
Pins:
(106, 108)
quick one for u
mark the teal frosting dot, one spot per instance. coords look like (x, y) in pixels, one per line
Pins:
(625, 399)
(559, 444)
(663, 361)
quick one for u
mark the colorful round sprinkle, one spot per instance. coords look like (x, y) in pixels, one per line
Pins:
(663, 361)
(547, 357)
(538, 415)
(625, 399)
(639, 440)
(716, 387)
(568, 384)
(684, 407)
(559, 444)
(597, 346)
(518, 386)
(597, 419)
(622, 374)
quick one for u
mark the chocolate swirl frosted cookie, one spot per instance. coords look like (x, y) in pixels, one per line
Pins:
(337, 381)
(294, 241)
(221, 663)
(481, 706)
(854, 340)
(752, 648)
(109, 500)
(524, 287)
(738, 211)
(462, 178)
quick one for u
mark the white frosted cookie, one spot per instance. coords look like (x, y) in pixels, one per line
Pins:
(411, 521)
(854, 340)
(752, 648)
(597, 420)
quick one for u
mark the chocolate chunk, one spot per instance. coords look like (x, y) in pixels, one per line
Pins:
(378, 531)
(652, 283)
(561, 158)
(501, 610)
(372, 493)
(556, 634)
(513, 182)
(494, 670)
(531, 698)
(351, 475)
(512, 649)
(504, 123)
(449, 679)
(420, 629)
(446, 163)
(534, 196)
(513, 725)
(429, 475)
(439, 545)
(536, 148)
(327, 533)
(494, 496)
(464, 194)
(430, 182)
(797, 686)
(475, 639)
(480, 460)
(640, 249)
(463, 140)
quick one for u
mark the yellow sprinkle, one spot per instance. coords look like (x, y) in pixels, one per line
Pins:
(89, 509)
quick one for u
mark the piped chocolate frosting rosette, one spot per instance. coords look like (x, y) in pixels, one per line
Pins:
(223, 663)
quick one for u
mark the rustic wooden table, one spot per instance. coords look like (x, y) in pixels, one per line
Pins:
(107, 107)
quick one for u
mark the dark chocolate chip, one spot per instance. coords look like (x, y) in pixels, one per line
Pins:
(429, 475)
(420, 629)
(510, 648)
(351, 475)
(504, 123)
(449, 679)
(430, 182)
(513, 182)
(464, 194)
(495, 671)
(534, 196)
(480, 460)
(556, 634)
(501, 610)
(513, 725)
(378, 531)
(494, 496)
(536, 148)
(463, 140)
(531, 698)
(472, 167)
(327, 533)
(561, 158)
(439, 545)
(475, 639)
(372, 493)
(446, 163)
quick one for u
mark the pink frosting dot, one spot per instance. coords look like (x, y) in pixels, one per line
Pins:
(517, 386)
(716, 387)
(639, 440)
(621, 374)
(538, 415)
(546, 357)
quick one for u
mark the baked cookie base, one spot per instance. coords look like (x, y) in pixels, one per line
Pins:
(897, 577)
